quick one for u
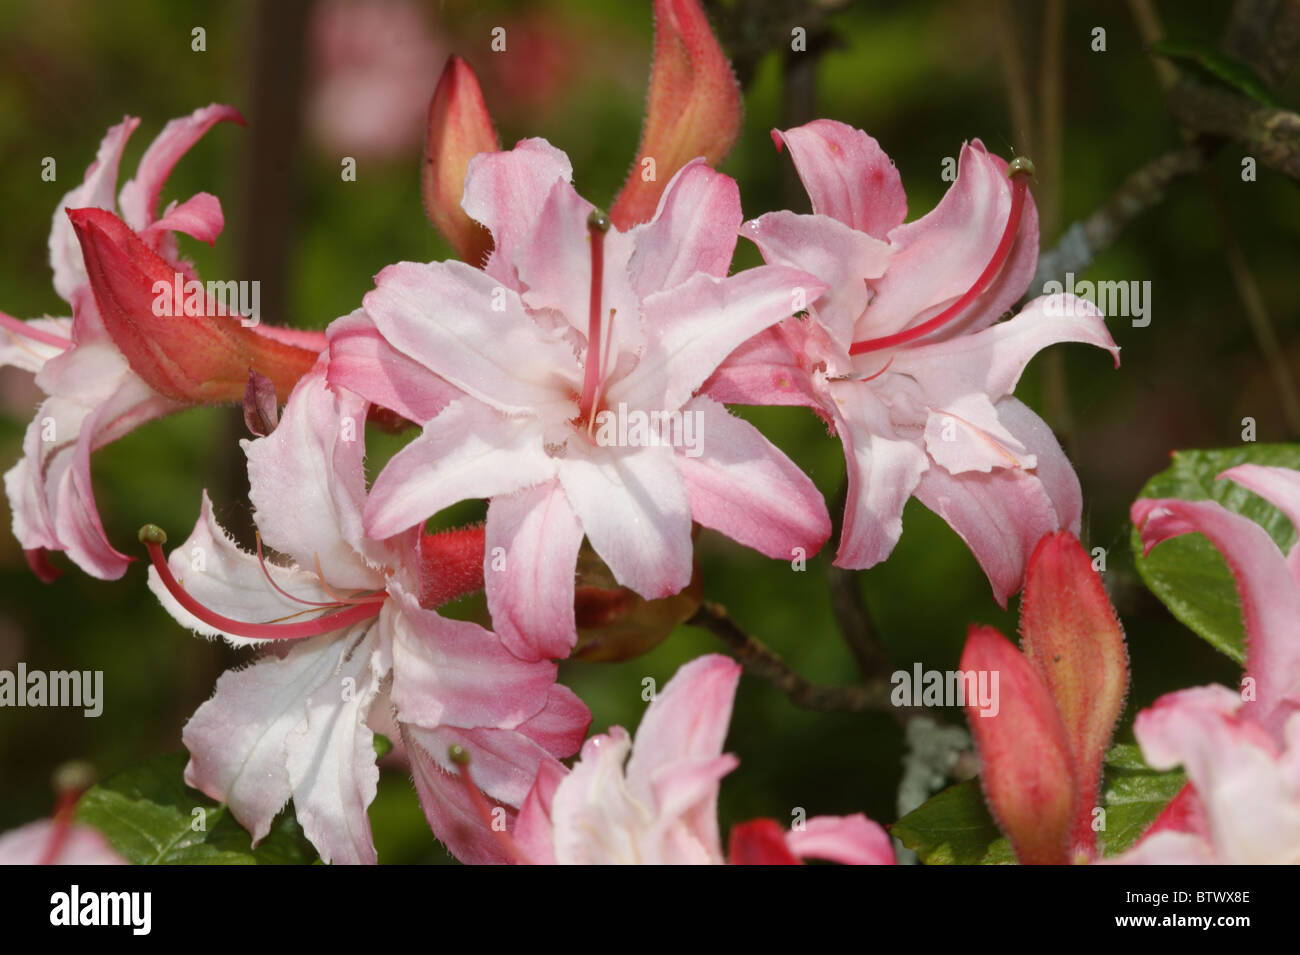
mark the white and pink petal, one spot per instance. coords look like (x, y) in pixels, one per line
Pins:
(531, 551)
(743, 486)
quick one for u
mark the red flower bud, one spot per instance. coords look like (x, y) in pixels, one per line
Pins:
(201, 359)
(1024, 753)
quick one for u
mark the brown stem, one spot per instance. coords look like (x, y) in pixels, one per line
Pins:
(1272, 53)
(1270, 135)
(1088, 238)
(1051, 112)
(849, 607)
(1015, 77)
(763, 662)
(1265, 34)
(1252, 301)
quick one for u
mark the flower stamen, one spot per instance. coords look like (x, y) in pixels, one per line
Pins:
(20, 330)
(153, 537)
(266, 571)
(597, 226)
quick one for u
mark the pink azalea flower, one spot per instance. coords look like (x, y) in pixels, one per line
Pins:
(1241, 751)
(902, 354)
(347, 647)
(96, 393)
(693, 109)
(654, 800)
(369, 70)
(570, 329)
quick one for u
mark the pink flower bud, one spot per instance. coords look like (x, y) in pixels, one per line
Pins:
(459, 129)
(693, 109)
(1072, 637)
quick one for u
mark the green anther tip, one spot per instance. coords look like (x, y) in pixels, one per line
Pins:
(598, 220)
(152, 534)
(458, 754)
(1020, 165)
(76, 776)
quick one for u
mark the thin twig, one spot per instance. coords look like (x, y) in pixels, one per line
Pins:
(763, 662)
(1265, 34)
(1085, 240)
(1051, 110)
(1270, 135)
(1148, 24)
(1015, 76)
(1273, 55)
(1051, 165)
(1252, 301)
(849, 607)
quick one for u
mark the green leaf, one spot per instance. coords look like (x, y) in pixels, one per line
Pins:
(955, 828)
(1187, 573)
(1133, 794)
(1217, 67)
(150, 817)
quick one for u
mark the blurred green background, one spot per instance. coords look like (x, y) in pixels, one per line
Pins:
(919, 76)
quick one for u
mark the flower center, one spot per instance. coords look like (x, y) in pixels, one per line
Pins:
(594, 361)
(1018, 171)
(350, 610)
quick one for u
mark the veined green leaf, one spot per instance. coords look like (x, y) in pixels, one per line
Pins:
(151, 817)
(1187, 573)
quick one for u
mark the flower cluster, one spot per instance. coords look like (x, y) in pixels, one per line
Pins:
(573, 369)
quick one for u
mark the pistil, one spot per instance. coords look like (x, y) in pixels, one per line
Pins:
(153, 537)
(26, 330)
(1018, 171)
(597, 226)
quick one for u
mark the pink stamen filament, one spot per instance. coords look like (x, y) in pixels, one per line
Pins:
(604, 368)
(597, 226)
(336, 599)
(478, 802)
(1019, 188)
(266, 571)
(326, 623)
(26, 330)
(62, 827)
